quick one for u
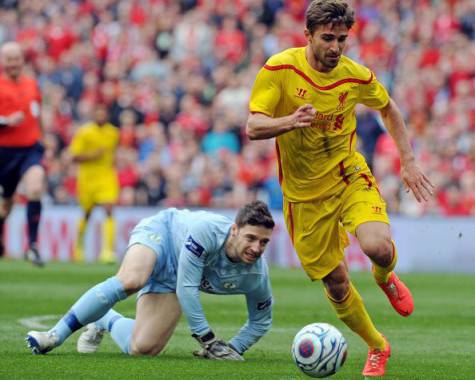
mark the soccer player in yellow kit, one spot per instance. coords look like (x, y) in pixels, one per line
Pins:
(306, 98)
(93, 148)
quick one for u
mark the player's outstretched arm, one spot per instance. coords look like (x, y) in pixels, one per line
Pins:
(412, 176)
(260, 126)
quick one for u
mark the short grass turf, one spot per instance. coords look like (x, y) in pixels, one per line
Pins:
(436, 342)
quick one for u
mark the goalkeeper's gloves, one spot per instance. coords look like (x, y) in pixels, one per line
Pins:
(214, 348)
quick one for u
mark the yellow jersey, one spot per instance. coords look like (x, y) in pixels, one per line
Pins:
(88, 139)
(313, 162)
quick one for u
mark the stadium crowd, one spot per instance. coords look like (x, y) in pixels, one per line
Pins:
(176, 77)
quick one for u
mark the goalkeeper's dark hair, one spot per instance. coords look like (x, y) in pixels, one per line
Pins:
(324, 12)
(255, 214)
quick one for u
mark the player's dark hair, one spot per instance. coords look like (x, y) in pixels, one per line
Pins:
(324, 12)
(256, 214)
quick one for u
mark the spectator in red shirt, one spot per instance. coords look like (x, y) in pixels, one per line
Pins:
(452, 202)
(230, 43)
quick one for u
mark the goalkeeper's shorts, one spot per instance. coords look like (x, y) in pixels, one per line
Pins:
(153, 232)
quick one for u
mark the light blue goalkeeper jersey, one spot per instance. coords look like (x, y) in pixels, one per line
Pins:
(191, 257)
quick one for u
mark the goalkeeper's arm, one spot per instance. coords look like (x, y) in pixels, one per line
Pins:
(189, 274)
(259, 322)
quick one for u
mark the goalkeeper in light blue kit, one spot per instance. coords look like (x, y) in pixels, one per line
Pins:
(171, 257)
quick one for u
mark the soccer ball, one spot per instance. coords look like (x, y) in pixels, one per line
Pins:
(319, 350)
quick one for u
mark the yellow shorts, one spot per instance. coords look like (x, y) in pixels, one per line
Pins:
(318, 228)
(99, 191)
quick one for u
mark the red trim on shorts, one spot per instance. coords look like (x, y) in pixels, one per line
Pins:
(279, 164)
(351, 138)
(311, 82)
(291, 219)
(368, 181)
(342, 173)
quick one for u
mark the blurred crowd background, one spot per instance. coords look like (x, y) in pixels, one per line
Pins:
(176, 77)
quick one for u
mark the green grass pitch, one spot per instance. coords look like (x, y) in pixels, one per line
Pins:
(436, 342)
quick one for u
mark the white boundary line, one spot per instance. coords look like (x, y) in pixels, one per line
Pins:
(36, 322)
(44, 322)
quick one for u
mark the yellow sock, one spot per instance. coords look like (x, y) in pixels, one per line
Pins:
(352, 312)
(108, 233)
(381, 274)
(78, 254)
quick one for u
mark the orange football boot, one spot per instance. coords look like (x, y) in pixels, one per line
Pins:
(376, 363)
(399, 295)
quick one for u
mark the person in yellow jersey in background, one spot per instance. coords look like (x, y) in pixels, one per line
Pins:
(93, 147)
(306, 98)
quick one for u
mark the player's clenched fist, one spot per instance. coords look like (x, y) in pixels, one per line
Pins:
(303, 116)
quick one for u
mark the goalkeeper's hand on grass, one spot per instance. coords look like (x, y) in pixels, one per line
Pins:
(214, 348)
